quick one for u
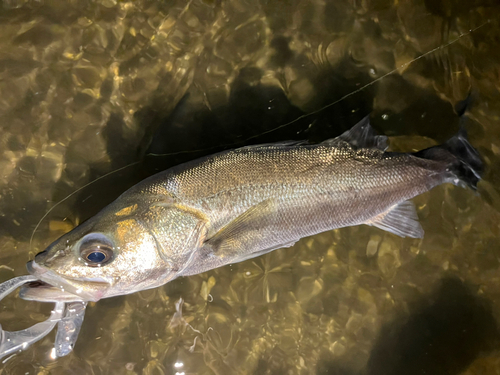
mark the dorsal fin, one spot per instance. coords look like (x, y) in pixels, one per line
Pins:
(362, 135)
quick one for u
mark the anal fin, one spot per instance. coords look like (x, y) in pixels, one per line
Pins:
(401, 219)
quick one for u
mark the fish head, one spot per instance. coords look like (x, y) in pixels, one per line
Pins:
(113, 253)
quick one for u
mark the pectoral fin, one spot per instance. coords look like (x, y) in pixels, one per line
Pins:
(241, 236)
(262, 252)
(400, 219)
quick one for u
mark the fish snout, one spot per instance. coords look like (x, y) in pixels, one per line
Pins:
(46, 257)
(41, 257)
(34, 269)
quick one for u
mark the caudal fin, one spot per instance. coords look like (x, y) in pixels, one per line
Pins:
(465, 166)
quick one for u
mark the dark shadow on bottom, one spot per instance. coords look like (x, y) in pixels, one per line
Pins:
(443, 336)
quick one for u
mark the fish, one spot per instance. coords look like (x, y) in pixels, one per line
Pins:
(242, 203)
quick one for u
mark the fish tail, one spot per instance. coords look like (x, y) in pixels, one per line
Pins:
(464, 165)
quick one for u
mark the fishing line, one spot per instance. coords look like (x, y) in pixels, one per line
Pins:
(336, 101)
(443, 46)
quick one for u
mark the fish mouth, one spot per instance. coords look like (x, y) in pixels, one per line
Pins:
(53, 287)
(40, 291)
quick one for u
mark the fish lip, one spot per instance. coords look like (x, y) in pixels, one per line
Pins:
(40, 291)
(70, 285)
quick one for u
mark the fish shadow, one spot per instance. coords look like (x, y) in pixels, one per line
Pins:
(253, 114)
(445, 333)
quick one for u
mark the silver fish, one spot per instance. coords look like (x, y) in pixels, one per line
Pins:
(239, 204)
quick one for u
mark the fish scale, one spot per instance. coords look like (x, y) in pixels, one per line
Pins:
(303, 180)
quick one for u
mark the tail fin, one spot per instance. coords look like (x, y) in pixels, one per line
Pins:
(464, 162)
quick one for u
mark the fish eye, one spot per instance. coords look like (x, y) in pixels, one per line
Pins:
(96, 250)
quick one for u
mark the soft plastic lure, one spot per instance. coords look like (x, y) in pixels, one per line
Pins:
(67, 316)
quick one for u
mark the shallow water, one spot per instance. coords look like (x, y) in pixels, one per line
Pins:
(87, 87)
